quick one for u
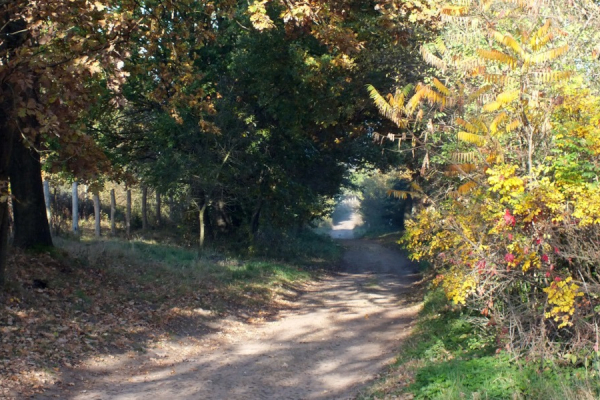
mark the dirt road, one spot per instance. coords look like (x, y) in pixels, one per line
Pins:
(341, 333)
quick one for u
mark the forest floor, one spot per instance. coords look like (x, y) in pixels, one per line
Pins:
(334, 338)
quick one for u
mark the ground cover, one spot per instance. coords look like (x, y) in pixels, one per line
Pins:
(112, 297)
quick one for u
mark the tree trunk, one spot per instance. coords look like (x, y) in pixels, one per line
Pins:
(255, 219)
(48, 200)
(171, 209)
(201, 218)
(6, 138)
(97, 215)
(75, 208)
(31, 223)
(113, 210)
(144, 208)
(128, 214)
(158, 210)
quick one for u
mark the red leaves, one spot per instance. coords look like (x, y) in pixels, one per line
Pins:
(509, 258)
(544, 257)
(509, 219)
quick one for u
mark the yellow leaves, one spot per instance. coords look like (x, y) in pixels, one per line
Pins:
(258, 16)
(498, 56)
(502, 100)
(503, 181)
(440, 87)
(492, 106)
(432, 59)
(464, 157)
(401, 194)
(514, 124)
(586, 201)
(562, 295)
(552, 76)
(497, 120)
(471, 138)
(458, 287)
(434, 97)
(541, 36)
(507, 97)
(468, 126)
(393, 107)
(532, 261)
(479, 92)
(498, 79)
(508, 41)
(548, 55)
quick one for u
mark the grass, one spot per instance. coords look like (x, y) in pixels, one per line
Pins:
(454, 355)
(166, 270)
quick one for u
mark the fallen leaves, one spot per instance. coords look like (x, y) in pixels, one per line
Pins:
(83, 311)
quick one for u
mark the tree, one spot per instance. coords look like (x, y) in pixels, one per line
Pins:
(285, 119)
(55, 59)
(508, 167)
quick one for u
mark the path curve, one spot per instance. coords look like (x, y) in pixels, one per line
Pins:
(342, 332)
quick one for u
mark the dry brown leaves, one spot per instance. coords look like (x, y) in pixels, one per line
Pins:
(55, 314)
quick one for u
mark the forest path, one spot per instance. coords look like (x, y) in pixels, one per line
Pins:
(339, 334)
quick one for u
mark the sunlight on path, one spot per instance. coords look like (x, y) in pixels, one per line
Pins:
(340, 334)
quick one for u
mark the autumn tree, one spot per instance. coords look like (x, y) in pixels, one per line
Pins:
(508, 159)
(56, 59)
(279, 114)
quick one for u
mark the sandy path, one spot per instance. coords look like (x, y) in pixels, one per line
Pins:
(342, 332)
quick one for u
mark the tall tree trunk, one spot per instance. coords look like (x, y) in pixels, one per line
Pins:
(171, 209)
(31, 223)
(201, 220)
(113, 210)
(128, 214)
(158, 210)
(255, 219)
(48, 201)
(6, 138)
(97, 215)
(75, 208)
(144, 208)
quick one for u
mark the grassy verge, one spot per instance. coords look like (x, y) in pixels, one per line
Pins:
(90, 297)
(454, 355)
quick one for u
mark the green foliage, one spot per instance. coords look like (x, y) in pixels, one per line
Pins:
(304, 247)
(452, 354)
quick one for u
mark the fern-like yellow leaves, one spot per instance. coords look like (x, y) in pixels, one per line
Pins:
(552, 76)
(508, 41)
(471, 138)
(498, 56)
(432, 59)
(541, 37)
(401, 194)
(440, 87)
(392, 107)
(464, 157)
(547, 55)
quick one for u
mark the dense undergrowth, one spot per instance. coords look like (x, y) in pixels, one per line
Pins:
(455, 354)
(88, 297)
